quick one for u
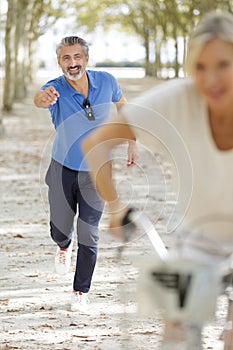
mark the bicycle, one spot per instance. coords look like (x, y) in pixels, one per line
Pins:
(181, 287)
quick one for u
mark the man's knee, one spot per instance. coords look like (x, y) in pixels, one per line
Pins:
(61, 238)
(88, 235)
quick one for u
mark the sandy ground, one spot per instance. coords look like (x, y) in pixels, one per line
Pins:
(34, 301)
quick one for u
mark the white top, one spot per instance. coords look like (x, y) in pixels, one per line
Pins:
(208, 179)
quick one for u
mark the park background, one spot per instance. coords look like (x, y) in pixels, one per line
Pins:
(142, 43)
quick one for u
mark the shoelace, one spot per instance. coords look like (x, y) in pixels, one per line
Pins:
(62, 256)
(80, 298)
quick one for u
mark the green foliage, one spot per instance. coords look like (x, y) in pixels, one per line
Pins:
(152, 21)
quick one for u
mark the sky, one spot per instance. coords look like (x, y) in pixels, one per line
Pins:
(114, 46)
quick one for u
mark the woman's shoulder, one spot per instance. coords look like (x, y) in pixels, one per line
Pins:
(176, 85)
(166, 92)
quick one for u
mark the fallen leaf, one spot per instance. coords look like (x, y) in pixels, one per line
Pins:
(47, 326)
(18, 236)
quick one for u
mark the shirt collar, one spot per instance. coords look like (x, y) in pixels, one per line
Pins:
(92, 82)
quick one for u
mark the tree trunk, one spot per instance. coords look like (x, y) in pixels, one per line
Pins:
(36, 10)
(9, 81)
(185, 51)
(22, 47)
(176, 63)
(157, 64)
(1, 125)
(147, 51)
(18, 42)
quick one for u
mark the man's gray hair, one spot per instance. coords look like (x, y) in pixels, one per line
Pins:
(72, 40)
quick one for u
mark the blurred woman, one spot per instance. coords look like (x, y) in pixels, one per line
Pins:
(200, 109)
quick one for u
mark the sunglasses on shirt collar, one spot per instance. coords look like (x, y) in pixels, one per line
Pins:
(88, 110)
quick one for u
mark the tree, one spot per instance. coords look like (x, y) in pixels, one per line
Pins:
(9, 81)
(153, 21)
(26, 21)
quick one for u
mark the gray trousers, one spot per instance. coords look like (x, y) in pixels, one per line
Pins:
(72, 192)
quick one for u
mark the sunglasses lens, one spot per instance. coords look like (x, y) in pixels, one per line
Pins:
(90, 115)
(88, 110)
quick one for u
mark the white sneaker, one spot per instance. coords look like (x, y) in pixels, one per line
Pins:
(79, 302)
(63, 260)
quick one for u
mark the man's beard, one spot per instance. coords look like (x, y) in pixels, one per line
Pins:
(76, 76)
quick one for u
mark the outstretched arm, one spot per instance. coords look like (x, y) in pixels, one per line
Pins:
(97, 148)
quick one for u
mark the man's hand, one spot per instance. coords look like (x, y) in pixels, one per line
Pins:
(133, 155)
(47, 97)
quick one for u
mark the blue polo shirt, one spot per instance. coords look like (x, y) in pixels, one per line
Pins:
(69, 117)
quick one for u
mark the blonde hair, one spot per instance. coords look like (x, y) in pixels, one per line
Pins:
(215, 24)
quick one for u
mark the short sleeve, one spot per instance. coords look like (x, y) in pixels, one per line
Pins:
(116, 90)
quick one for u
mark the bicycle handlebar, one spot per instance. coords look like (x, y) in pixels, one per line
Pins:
(134, 219)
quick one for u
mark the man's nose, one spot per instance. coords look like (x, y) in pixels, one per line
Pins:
(73, 62)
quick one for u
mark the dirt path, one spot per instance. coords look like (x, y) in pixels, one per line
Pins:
(34, 312)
